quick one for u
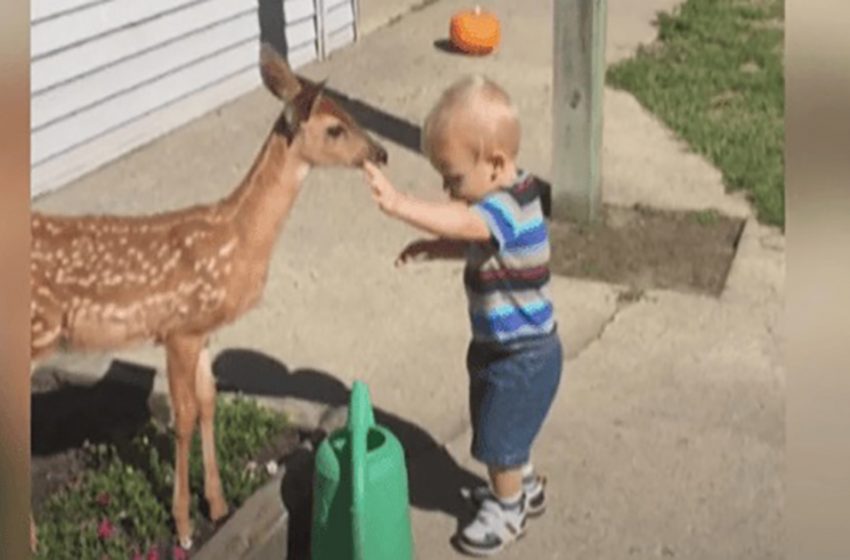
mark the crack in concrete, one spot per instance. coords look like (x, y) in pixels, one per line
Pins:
(412, 9)
(625, 299)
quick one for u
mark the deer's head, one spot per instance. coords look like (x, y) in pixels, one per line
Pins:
(326, 133)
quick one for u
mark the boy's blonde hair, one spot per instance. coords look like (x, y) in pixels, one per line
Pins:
(489, 117)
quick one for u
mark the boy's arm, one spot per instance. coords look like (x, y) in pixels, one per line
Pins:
(453, 220)
(450, 220)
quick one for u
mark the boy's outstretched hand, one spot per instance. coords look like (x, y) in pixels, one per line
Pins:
(383, 192)
(430, 249)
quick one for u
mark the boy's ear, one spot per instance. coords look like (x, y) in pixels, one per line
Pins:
(498, 161)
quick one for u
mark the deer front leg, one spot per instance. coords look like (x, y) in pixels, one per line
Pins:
(182, 362)
(206, 392)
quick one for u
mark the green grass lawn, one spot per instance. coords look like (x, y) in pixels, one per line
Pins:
(716, 78)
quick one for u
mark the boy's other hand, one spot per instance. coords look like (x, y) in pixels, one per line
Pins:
(419, 250)
(383, 191)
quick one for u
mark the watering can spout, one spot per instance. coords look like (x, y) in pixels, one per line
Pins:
(360, 420)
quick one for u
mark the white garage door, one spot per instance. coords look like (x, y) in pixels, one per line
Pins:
(110, 75)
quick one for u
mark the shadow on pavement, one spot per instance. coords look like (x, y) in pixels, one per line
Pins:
(435, 478)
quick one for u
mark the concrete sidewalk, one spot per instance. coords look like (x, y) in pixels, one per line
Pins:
(667, 438)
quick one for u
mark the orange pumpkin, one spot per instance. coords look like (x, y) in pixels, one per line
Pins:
(474, 31)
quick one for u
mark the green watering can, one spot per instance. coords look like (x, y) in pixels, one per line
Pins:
(360, 503)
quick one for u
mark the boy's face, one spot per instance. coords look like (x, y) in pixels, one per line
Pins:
(465, 177)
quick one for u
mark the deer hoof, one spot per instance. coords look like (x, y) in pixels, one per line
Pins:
(218, 510)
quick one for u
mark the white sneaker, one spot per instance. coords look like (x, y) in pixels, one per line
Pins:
(495, 527)
(534, 489)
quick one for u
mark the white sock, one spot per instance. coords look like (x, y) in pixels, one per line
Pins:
(511, 501)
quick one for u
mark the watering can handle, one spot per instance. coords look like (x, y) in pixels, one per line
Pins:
(360, 420)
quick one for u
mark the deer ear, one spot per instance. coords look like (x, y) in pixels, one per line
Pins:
(319, 92)
(277, 75)
(305, 103)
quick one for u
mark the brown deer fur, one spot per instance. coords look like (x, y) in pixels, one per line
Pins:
(106, 282)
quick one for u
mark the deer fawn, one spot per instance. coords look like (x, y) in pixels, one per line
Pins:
(105, 282)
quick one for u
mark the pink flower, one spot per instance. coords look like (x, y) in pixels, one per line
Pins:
(177, 553)
(105, 530)
(153, 554)
(102, 499)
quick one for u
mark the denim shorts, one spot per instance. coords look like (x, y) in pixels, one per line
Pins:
(511, 389)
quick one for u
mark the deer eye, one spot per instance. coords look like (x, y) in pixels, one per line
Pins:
(336, 131)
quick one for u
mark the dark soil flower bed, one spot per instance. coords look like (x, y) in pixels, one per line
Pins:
(109, 496)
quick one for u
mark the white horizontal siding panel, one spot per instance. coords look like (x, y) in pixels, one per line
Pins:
(94, 88)
(102, 51)
(85, 125)
(86, 157)
(41, 9)
(300, 33)
(295, 10)
(331, 4)
(302, 55)
(340, 38)
(338, 18)
(97, 19)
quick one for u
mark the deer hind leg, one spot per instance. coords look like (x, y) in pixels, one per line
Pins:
(182, 354)
(205, 392)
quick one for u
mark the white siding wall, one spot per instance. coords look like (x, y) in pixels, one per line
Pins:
(336, 24)
(110, 75)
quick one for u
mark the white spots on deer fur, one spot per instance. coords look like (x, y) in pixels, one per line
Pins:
(172, 261)
(301, 172)
(46, 337)
(228, 248)
(208, 264)
(190, 239)
(210, 297)
(113, 280)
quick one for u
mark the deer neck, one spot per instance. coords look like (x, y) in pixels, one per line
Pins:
(263, 201)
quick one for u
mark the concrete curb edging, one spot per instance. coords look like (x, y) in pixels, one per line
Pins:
(257, 530)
